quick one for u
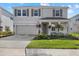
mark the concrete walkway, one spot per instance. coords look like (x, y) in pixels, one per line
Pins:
(14, 45)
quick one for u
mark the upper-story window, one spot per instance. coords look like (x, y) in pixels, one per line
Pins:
(35, 12)
(11, 18)
(57, 12)
(77, 19)
(25, 12)
(19, 12)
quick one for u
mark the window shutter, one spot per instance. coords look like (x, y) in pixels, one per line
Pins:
(39, 12)
(32, 12)
(61, 12)
(15, 12)
(53, 12)
(27, 12)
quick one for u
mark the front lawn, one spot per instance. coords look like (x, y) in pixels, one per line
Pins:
(54, 44)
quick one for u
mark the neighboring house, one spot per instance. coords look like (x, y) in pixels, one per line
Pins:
(74, 24)
(43, 19)
(6, 20)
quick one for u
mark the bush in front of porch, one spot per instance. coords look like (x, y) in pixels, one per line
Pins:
(71, 36)
(55, 36)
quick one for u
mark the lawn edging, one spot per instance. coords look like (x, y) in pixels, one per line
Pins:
(51, 52)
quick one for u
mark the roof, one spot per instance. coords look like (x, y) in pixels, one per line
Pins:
(77, 15)
(6, 11)
(38, 7)
(54, 18)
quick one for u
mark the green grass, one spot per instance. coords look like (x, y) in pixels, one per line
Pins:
(74, 34)
(54, 44)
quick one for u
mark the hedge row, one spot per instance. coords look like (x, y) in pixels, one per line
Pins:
(5, 34)
(56, 36)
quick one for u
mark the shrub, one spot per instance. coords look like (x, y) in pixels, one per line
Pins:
(39, 37)
(6, 33)
(74, 35)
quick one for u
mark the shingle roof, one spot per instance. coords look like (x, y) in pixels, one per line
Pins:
(56, 18)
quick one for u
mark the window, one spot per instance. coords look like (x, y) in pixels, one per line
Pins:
(11, 18)
(13, 25)
(53, 28)
(24, 12)
(19, 12)
(77, 19)
(35, 12)
(71, 28)
(57, 12)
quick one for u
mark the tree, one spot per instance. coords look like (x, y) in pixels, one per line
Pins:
(58, 26)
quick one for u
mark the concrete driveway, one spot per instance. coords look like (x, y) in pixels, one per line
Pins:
(14, 45)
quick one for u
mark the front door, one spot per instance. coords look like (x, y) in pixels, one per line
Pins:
(45, 28)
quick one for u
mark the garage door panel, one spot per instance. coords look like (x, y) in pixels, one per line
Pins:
(25, 29)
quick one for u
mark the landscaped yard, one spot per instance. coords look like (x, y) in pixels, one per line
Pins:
(56, 41)
(53, 44)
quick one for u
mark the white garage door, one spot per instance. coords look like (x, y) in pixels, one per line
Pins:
(25, 29)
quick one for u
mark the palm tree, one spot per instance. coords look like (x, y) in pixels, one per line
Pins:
(58, 26)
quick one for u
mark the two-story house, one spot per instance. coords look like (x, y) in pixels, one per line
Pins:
(6, 20)
(42, 19)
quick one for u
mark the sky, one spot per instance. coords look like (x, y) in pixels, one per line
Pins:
(73, 7)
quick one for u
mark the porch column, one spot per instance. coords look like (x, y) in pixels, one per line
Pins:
(67, 27)
(49, 29)
(40, 29)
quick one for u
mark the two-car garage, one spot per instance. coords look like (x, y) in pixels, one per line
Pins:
(26, 29)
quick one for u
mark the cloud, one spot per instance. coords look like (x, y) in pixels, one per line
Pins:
(72, 9)
(76, 6)
(70, 6)
(70, 13)
(44, 4)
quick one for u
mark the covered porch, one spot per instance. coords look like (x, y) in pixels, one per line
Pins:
(53, 26)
